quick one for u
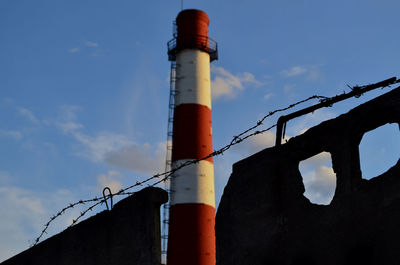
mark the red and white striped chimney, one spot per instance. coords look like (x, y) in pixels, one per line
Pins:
(191, 237)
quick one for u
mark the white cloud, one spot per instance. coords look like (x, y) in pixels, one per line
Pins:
(268, 96)
(256, 143)
(74, 50)
(91, 44)
(69, 126)
(20, 216)
(319, 178)
(117, 150)
(111, 180)
(23, 213)
(227, 85)
(68, 112)
(96, 148)
(11, 134)
(323, 158)
(320, 185)
(302, 124)
(141, 158)
(288, 88)
(67, 118)
(294, 71)
(111, 148)
(29, 115)
(312, 72)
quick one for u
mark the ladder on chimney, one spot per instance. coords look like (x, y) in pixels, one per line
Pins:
(168, 162)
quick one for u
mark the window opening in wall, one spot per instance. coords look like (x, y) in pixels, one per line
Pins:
(318, 178)
(379, 150)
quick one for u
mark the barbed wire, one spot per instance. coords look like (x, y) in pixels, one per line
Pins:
(167, 174)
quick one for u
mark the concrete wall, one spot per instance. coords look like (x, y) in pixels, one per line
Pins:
(263, 217)
(128, 234)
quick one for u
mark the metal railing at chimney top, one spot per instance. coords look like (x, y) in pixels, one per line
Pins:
(208, 45)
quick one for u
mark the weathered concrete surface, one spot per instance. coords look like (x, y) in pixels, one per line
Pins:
(263, 217)
(128, 234)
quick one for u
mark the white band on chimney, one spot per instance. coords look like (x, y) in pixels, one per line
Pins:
(193, 78)
(193, 183)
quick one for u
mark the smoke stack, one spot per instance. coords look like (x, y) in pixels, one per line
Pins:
(191, 237)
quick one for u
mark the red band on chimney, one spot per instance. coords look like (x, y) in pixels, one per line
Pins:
(192, 30)
(191, 239)
(192, 136)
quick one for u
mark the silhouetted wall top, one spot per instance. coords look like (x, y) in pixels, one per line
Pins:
(264, 218)
(128, 234)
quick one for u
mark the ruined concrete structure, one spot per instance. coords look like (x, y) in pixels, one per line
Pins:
(263, 217)
(128, 234)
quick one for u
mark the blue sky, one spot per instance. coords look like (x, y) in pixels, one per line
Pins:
(84, 92)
